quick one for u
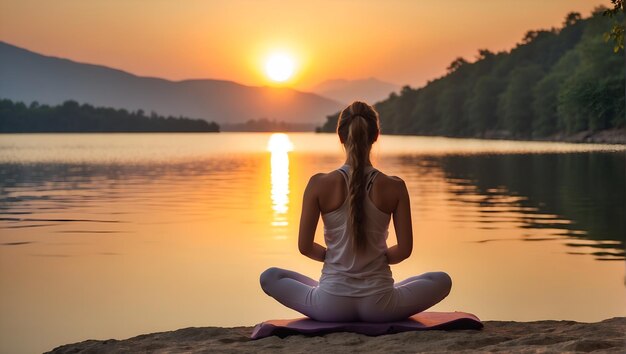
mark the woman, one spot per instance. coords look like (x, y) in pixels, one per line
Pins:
(356, 203)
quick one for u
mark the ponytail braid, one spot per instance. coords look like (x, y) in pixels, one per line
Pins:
(358, 129)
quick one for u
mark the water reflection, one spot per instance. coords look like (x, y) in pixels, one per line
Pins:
(279, 146)
(579, 197)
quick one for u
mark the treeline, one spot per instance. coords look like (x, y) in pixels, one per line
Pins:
(266, 125)
(555, 82)
(17, 117)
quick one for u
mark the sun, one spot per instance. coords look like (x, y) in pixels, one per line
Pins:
(279, 67)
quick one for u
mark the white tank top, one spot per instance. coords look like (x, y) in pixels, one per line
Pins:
(346, 273)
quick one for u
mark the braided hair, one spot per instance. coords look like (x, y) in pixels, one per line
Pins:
(358, 128)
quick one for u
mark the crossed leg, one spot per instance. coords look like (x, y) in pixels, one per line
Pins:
(410, 296)
(300, 293)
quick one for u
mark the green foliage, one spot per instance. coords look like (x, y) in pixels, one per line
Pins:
(592, 96)
(456, 64)
(554, 81)
(425, 117)
(16, 117)
(518, 98)
(617, 30)
(450, 108)
(481, 106)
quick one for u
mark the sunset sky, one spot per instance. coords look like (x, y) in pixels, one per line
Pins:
(400, 41)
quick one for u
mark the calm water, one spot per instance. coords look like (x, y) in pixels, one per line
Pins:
(114, 235)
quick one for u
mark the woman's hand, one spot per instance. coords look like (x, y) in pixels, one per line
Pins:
(396, 255)
(315, 251)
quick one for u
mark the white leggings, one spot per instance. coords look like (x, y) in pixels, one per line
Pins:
(405, 299)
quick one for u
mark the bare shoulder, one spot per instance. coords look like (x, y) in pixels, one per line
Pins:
(322, 177)
(391, 183)
(321, 180)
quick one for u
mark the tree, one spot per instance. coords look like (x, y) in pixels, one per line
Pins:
(482, 112)
(484, 54)
(424, 117)
(517, 100)
(545, 95)
(592, 97)
(456, 64)
(529, 36)
(617, 30)
(571, 19)
(450, 108)
(70, 116)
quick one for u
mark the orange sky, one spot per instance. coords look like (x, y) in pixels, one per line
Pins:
(401, 41)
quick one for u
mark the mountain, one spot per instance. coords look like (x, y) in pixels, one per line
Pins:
(27, 76)
(370, 90)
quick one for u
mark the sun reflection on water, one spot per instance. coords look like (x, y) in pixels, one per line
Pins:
(279, 146)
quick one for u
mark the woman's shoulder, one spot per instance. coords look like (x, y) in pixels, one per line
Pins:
(388, 181)
(326, 188)
(387, 191)
(325, 177)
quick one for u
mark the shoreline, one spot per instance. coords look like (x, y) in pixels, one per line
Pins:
(607, 336)
(609, 136)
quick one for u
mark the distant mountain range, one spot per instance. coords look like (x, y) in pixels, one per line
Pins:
(27, 76)
(370, 90)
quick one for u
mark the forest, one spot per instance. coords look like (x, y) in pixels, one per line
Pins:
(70, 116)
(555, 82)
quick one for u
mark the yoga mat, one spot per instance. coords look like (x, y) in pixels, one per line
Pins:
(419, 322)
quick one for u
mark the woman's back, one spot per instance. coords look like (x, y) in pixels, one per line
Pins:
(347, 272)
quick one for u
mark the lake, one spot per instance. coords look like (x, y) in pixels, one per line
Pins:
(115, 235)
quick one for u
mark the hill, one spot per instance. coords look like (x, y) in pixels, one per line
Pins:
(554, 83)
(27, 76)
(70, 117)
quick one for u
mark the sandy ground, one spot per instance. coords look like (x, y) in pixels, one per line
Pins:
(608, 336)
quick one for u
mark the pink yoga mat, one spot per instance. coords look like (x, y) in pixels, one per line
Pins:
(419, 322)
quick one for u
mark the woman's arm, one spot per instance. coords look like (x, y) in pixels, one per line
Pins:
(403, 226)
(308, 223)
